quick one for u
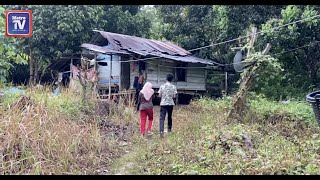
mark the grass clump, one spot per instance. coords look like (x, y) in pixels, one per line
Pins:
(204, 143)
(55, 135)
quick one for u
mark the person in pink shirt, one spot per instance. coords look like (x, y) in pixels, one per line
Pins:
(145, 106)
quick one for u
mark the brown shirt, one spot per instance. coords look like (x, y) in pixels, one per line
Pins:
(143, 103)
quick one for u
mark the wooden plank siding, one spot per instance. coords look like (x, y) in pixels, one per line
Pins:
(195, 78)
(133, 72)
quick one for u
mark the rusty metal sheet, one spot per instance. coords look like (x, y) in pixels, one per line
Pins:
(168, 47)
(191, 59)
(177, 47)
(100, 49)
(125, 42)
(148, 47)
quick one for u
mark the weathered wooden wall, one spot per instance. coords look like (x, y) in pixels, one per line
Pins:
(134, 71)
(195, 77)
(156, 71)
(104, 71)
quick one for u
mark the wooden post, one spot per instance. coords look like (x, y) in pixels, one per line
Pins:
(226, 83)
(120, 81)
(158, 71)
(175, 73)
(95, 71)
(71, 63)
(205, 77)
(177, 99)
(252, 40)
(95, 61)
(239, 100)
(110, 74)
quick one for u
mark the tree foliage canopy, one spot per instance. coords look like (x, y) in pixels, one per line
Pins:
(9, 52)
(61, 29)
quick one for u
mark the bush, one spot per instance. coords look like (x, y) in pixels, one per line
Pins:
(204, 143)
(53, 135)
(299, 110)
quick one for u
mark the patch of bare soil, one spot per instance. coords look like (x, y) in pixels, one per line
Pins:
(121, 132)
(22, 103)
(122, 135)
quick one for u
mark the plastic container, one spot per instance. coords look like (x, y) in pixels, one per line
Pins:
(314, 99)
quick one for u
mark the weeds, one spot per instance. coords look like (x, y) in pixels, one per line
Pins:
(60, 135)
(54, 135)
(204, 143)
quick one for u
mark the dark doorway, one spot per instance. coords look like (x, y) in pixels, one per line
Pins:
(181, 73)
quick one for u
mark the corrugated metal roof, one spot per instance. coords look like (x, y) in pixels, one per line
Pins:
(101, 49)
(148, 47)
(132, 43)
(191, 59)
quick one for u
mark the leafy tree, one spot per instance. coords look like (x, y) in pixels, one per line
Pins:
(157, 26)
(115, 19)
(300, 66)
(62, 29)
(8, 51)
(198, 26)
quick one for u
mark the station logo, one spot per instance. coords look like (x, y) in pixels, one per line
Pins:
(18, 23)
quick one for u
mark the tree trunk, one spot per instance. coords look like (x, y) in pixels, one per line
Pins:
(84, 84)
(31, 69)
(36, 71)
(313, 76)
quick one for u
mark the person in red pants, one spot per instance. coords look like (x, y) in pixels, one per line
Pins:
(145, 106)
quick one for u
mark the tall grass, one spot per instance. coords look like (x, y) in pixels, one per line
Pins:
(204, 143)
(53, 135)
(61, 135)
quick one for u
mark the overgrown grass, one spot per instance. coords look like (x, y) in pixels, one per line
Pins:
(60, 135)
(204, 143)
(294, 109)
(55, 135)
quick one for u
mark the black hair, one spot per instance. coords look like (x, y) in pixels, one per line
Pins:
(169, 77)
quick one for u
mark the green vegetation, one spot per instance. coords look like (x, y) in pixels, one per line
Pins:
(291, 76)
(56, 135)
(9, 51)
(45, 134)
(275, 139)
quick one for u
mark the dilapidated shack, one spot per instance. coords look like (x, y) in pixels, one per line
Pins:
(155, 59)
(129, 55)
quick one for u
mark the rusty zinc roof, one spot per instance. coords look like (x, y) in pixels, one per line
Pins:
(102, 49)
(149, 47)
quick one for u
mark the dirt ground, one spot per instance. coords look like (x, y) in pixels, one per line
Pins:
(124, 165)
(156, 118)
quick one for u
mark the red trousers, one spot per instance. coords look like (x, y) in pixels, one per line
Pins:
(143, 119)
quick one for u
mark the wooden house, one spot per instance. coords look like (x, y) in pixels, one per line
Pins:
(155, 59)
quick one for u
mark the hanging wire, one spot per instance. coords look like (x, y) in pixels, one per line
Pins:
(291, 50)
(241, 37)
(311, 44)
(211, 66)
(231, 40)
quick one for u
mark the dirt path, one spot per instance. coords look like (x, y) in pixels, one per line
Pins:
(126, 164)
